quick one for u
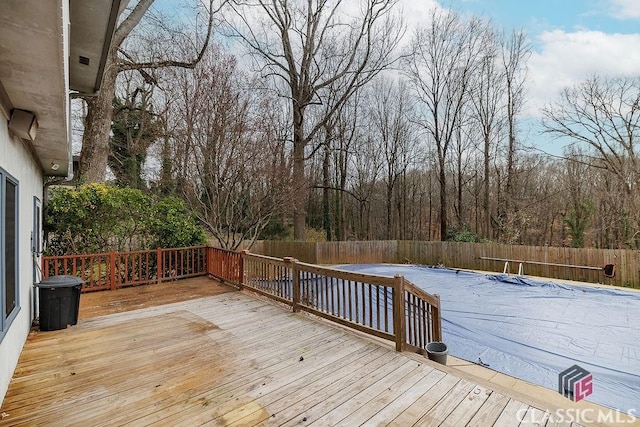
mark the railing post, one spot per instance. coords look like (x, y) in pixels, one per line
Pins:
(436, 321)
(241, 276)
(295, 275)
(112, 276)
(159, 265)
(399, 321)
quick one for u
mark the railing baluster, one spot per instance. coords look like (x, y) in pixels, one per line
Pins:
(317, 298)
(328, 289)
(339, 283)
(351, 300)
(377, 306)
(385, 309)
(361, 291)
(423, 320)
(354, 290)
(415, 320)
(370, 306)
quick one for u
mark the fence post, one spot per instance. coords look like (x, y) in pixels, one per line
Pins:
(436, 321)
(112, 276)
(399, 320)
(296, 282)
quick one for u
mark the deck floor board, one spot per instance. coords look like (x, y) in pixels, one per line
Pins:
(215, 356)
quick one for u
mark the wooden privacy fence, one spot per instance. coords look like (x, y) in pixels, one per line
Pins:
(113, 270)
(542, 261)
(387, 307)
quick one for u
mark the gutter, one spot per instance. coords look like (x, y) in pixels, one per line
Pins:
(111, 26)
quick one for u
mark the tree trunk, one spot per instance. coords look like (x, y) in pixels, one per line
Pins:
(442, 179)
(166, 187)
(326, 208)
(339, 214)
(460, 183)
(340, 227)
(430, 226)
(97, 127)
(402, 204)
(300, 189)
(389, 201)
(510, 151)
(485, 197)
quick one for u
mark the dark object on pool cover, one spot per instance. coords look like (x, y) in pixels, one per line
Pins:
(609, 270)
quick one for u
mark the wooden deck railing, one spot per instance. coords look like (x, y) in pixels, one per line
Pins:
(225, 265)
(387, 307)
(422, 313)
(113, 270)
(362, 301)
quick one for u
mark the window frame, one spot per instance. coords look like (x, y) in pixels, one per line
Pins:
(6, 319)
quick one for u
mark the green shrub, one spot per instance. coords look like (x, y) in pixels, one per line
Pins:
(275, 230)
(463, 234)
(173, 225)
(102, 218)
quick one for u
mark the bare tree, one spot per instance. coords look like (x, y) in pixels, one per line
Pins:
(390, 114)
(309, 46)
(95, 141)
(346, 131)
(339, 134)
(515, 52)
(578, 200)
(603, 116)
(463, 156)
(487, 103)
(236, 173)
(367, 166)
(444, 56)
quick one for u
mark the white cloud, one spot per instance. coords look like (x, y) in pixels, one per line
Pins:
(625, 9)
(566, 58)
(417, 13)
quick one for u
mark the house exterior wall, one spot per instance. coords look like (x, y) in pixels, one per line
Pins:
(17, 161)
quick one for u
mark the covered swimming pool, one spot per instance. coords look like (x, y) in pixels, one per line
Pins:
(534, 330)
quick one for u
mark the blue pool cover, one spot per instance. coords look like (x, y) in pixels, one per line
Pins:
(534, 330)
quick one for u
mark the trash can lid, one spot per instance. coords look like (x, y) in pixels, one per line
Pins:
(62, 281)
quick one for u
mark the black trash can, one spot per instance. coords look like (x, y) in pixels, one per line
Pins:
(59, 298)
(437, 351)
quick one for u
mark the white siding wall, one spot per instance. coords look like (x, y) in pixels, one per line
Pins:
(16, 160)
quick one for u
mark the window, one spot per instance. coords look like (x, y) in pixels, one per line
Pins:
(9, 249)
(36, 245)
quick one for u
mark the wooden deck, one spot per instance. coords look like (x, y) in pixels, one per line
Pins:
(231, 358)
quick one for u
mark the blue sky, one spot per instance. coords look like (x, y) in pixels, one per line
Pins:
(566, 15)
